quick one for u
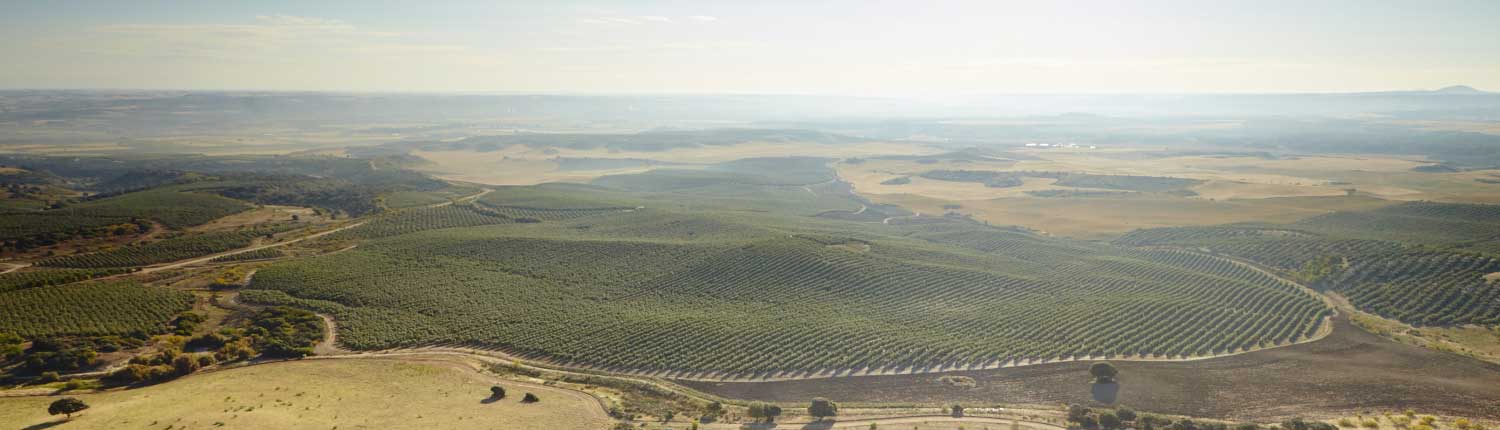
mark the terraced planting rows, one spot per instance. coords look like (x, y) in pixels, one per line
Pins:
(540, 214)
(259, 254)
(48, 277)
(90, 308)
(1414, 222)
(420, 219)
(756, 305)
(1425, 288)
(1416, 284)
(162, 251)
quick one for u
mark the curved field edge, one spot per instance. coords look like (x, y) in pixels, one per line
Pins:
(1368, 372)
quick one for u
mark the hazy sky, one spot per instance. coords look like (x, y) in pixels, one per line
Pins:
(840, 47)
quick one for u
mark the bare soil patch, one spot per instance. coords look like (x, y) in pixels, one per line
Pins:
(1348, 372)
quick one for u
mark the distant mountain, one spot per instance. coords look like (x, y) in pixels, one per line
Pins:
(1459, 89)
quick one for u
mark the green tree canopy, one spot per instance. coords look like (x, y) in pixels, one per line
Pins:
(1103, 372)
(822, 408)
(66, 406)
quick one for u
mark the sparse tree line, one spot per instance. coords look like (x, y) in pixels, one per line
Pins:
(270, 333)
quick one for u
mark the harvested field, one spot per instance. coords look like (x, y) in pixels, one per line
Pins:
(1348, 372)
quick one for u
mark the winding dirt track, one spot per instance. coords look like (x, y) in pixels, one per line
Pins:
(205, 259)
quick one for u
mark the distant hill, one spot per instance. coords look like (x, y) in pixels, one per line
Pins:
(1458, 89)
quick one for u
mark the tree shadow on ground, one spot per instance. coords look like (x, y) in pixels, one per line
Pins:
(1106, 392)
(491, 399)
(819, 425)
(44, 425)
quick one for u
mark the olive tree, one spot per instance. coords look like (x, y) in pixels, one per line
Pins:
(822, 408)
(66, 406)
(1103, 372)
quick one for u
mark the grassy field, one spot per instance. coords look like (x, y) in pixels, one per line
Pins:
(1421, 263)
(323, 394)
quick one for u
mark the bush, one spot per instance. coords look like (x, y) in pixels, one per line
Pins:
(821, 408)
(1103, 372)
(529, 398)
(1109, 420)
(1076, 413)
(184, 365)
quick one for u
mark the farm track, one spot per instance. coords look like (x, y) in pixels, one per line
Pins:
(15, 267)
(866, 422)
(208, 258)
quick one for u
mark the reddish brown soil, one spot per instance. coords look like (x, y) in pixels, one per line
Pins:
(1348, 372)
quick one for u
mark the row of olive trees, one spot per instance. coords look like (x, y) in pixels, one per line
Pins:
(820, 408)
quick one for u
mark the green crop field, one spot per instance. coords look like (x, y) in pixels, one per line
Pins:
(259, 254)
(123, 214)
(48, 277)
(755, 293)
(1409, 262)
(90, 308)
(418, 219)
(163, 251)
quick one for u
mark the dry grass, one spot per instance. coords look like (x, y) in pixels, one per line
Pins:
(322, 394)
(262, 215)
(525, 165)
(1106, 218)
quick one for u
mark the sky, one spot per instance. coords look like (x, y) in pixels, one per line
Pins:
(775, 47)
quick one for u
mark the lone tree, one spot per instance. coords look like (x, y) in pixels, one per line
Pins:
(497, 392)
(822, 408)
(66, 406)
(1103, 372)
(772, 411)
(958, 411)
(757, 410)
(529, 398)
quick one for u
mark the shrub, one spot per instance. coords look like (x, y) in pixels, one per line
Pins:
(1103, 372)
(822, 408)
(1109, 420)
(1076, 413)
(530, 398)
(48, 376)
(185, 365)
